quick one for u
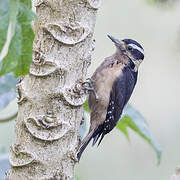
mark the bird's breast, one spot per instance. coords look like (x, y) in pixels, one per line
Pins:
(104, 80)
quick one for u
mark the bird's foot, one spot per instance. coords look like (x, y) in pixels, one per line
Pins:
(89, 82)
(88, 86)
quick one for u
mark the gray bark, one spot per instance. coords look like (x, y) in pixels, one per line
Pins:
(50, 102)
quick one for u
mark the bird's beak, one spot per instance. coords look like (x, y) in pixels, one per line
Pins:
(118, 43)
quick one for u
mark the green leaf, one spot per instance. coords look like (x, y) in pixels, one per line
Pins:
(4, 21)
(162, 2)
(11, 11)
(19, 56)
(77, 177)
(134, 120)
(86, 107)
(131, 118)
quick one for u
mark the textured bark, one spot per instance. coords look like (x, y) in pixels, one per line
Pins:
(50, 102)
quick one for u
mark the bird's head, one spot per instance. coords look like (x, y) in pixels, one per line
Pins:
(131, 49)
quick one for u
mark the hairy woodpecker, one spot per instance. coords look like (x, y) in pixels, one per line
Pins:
(113, 82)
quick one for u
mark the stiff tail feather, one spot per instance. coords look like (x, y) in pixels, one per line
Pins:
(84, 144)
(93, 134)
(96, 139)
(102, 136)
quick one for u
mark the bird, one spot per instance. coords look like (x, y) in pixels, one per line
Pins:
(113, 83)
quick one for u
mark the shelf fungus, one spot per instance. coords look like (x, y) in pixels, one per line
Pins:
(38, 58)
(22, 96)
(95, 4)
(75, 95)
(46, 127)
(38, 2)
(68, 34)
(20, 156)
(42, 68)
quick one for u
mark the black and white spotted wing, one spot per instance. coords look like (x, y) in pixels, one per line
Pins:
(120, 94)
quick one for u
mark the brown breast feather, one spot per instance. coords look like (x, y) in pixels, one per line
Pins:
(104, 78)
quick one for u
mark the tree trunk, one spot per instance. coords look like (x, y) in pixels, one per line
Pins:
(50, 102)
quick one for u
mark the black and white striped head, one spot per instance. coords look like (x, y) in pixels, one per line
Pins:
(130, 48)
(134, 49)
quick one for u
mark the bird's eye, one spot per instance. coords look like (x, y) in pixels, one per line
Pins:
(129, 48)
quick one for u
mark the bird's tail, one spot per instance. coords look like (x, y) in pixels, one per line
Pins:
(84, 144)
(96, 134)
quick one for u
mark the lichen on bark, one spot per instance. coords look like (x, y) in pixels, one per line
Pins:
(50, 102)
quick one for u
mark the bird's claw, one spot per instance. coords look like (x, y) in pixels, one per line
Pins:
(89, 82)
(88, 86)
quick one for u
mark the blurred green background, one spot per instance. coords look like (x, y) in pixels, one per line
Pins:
(157, 93)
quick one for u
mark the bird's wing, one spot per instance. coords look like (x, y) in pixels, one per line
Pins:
(120, 94)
